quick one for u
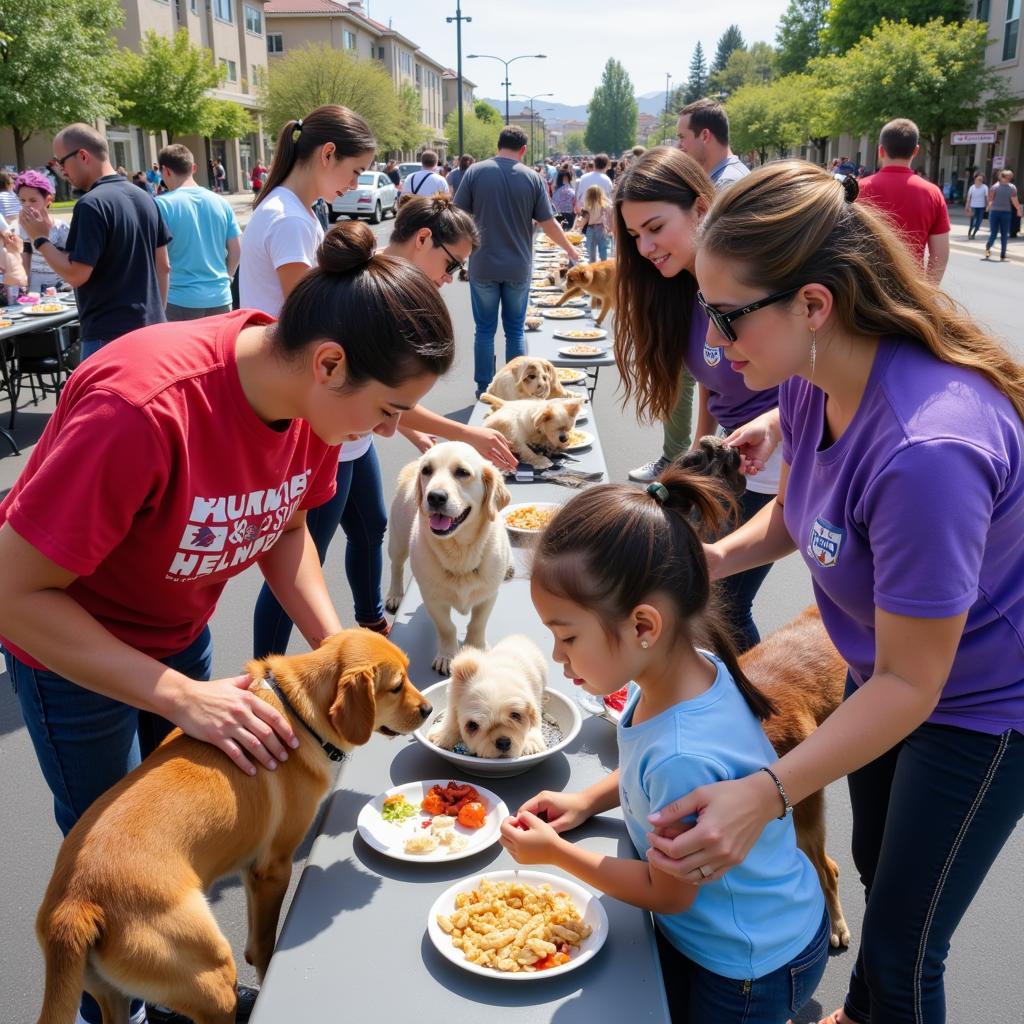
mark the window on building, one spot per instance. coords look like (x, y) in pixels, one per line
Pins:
(223, 9)
(1012, 29)
(275, 42)
(253, 20)
(350, 40)
(380, 53)
(419, 75)
(982, 11)
(230, 69)
(195, 6)
(257, 77)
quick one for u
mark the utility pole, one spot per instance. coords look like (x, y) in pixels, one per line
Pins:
(668, 78)
(523, 96)
(500, 60)
(458, 19)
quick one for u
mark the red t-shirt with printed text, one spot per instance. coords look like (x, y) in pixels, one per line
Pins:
(155, 482)
(915, 207)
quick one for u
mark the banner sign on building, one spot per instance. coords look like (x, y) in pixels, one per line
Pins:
(972, 138)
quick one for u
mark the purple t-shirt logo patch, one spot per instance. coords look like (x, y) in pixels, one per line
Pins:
(826, 540)
(712, 354)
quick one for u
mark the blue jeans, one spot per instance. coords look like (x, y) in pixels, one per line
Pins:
(977, 216)
(86, 742)
(358, 506)
(998, 223)
(929, 819)
(597, 243)
(485, 296)
(699, 996)
(737, 592)
(89, 348)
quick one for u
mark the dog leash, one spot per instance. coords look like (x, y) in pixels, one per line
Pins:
(333, 752)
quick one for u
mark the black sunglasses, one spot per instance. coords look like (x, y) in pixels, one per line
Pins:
(723, 321)
(61, 160)
(454, 263)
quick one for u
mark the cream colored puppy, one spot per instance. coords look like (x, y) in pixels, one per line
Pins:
(527, 377)
(495, 699)
(534, 423)
(445, 521)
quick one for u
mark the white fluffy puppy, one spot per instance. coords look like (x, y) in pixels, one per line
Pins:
(533, 423)
(445, 520)
(495, 699)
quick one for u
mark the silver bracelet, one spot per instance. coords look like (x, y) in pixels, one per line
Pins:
(788, 807)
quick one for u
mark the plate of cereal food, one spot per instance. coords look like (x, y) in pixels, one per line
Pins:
(553, 300)
(580, 351)
(436, 820)
(583, 334)
(44, 309)
(567, 375)
(529, 518)
(517, 925)
(562, 313)
(578, 440)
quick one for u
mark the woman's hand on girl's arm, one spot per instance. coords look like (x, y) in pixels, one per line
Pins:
(756, 441)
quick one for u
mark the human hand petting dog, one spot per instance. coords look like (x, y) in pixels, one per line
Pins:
(756, 441)
(225, 713)
(492, 445)
(530, 840)
(562, 811)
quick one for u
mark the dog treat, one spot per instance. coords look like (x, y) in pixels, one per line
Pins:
(423, 843)
(514, 926)
(473, 815)
(449, 800)
(578, 437)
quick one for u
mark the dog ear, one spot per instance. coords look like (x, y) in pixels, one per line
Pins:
(555, 388)
(355, 707)
(465, 665)
(542, 416)
(573, 406)
(587, 275)
(521, 370)
(496, 494)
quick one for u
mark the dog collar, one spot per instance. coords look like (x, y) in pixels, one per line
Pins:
(333, 752)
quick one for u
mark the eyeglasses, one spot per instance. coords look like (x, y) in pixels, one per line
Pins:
(454, 263)
(723, 321)
(61, 160)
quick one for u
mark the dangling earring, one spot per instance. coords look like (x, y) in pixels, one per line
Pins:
(814, 350)
(644, 644)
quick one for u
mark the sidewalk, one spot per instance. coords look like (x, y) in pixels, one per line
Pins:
(959, 221)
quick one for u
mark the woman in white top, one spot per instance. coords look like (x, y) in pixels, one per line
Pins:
(34, 189)
(976, 203)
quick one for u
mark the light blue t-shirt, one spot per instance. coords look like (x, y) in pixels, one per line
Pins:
(201, 224)
(762, 913)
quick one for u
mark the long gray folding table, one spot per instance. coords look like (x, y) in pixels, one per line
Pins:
(354, 946)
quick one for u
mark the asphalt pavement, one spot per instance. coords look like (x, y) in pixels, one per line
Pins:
(983, 979)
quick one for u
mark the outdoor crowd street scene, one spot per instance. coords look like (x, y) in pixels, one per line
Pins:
(469, 552)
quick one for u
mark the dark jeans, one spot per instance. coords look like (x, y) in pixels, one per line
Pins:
(486, 297)
(736, 593)
(698, 996)
(86, 742)
(998, 224)
(929, 819)
(358, 507)
(977, 216)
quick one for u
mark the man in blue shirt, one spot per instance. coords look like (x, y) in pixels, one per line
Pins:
(206, 243)
(703, 133)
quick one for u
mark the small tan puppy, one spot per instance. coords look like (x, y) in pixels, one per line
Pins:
(445, 521)
(537, 423)
(596, 279)
(527, 377)
(495, 699)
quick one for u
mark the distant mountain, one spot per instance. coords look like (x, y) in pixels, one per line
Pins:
(650, 103)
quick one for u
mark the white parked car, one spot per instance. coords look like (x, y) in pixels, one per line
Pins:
(374, 196)
(404, 170)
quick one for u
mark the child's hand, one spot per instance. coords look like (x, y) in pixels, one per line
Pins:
(562, 811)
(528, 839)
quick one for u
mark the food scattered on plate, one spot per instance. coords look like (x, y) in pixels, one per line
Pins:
(583, 334)
(515, 926)
(45, 307)
(530, 517)
(575, 237)
(397, 808)
(567, 375)
(582, 350)
(6, 323)
(578, 438)
(564, 314)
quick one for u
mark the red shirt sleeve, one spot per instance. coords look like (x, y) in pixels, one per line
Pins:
(940, 225)
(83, 489)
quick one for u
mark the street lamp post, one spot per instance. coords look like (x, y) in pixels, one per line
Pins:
(523, 96)
(506, 83)
(458, 19)
(668, 78)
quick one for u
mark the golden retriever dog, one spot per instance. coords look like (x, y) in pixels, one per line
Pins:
(595, 279)
(495, 699)
(445, 521)
(526, 377)
(532, 425)
(126, 912)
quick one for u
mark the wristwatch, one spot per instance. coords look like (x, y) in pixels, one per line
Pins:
(38, 243)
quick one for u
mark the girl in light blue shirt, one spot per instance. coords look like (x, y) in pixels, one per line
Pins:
(621, 580)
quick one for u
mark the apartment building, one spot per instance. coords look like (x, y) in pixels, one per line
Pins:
(449, 91)
(235, 32)
(346, 26)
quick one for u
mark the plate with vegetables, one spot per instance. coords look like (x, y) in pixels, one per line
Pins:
(435, 820)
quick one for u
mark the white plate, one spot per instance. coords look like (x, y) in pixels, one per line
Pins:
(32, 312)
(517, 531)
(579, 377)
(545, 300)
(569, 354)
(588, 905)
(562, 314)
(600, 333)
(389, 837)
(583, 444)
(537, 289)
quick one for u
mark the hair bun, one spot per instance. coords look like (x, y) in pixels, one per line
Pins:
(851, 187)
(346, 248)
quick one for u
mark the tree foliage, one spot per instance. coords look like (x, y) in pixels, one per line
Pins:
(755, 66)
(766, 119)
(479, 136)
(612, 112)
(935, 74)
(697, 83)
(798, 37)
(55, 64)
(575, 143)
(731, 40)
(225, 119)
(411, 132)
(849, 21)
(485, 112)
(164, 86)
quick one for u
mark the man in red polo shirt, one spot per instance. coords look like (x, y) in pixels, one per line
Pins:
(915, 206)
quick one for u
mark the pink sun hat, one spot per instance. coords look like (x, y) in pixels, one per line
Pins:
(33, 179)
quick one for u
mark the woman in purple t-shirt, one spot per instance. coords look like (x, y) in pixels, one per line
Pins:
(661, 332)
(903, 489)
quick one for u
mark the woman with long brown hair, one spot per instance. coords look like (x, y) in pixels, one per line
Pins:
(903, 490)
(660, 331)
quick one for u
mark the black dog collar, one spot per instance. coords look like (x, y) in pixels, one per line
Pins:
(333, 752)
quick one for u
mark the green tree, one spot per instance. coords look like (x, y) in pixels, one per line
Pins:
(849, 21)
(225, 119)
(410, 131)
(485, 112)
(765, 119)
(755, 66)
(612, 112)
(732, 39)
(479, 137)
(575, 143)
(55, 65)
(798, 37)
(697, 83)
(935, 74)
(315, 74)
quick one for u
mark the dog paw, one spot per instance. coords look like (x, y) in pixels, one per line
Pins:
(533, 746)
(442, 663)
(840, 937)
(392, 602)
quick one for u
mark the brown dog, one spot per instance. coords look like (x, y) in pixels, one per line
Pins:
(125, 910)
(597, 279)
(527, 377)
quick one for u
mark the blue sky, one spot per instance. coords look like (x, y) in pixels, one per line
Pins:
(650, 37)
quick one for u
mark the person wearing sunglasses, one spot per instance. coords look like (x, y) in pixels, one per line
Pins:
(661, 332)
(110, 222)
(903, 491)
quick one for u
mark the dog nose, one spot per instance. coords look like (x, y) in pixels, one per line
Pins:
(425, 709)
(503, 743)
(563, 438)
(437, 499)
